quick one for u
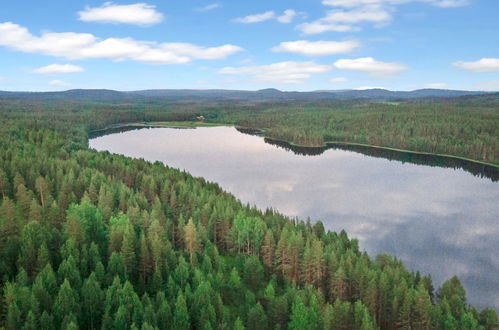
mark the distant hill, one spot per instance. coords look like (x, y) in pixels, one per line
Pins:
(387, 94)
(75, 94)
(269, 94)
(275, 94)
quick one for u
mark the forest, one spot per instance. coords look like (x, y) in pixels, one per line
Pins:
(92, 240)
(458, 127)
(466, 126)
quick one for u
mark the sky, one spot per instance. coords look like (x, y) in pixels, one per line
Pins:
(298, 45)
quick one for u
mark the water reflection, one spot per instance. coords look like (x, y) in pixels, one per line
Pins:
(477, 169)
(439, 220)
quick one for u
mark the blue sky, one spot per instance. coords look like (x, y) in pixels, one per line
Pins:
(290, 45)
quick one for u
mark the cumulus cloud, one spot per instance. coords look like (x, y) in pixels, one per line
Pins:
(338, 80)
(346, 20)
(59, 83)
(198, 52)
(282, 72)
(72, 45)
(137, 14)
(347, 15)
(483, 65)
(287, 17)
(317, 48)
(58, 68)
(370, 65)
(374, 14)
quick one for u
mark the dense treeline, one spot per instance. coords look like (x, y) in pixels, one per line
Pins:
(466, 126)
(453, 129)
(92, 240)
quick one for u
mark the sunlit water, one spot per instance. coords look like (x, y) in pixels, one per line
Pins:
(441, 221)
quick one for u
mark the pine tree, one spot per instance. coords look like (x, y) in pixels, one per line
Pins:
(66, 302)
(299, 315)
(145, 261)
(128, 252)
(163, 312)
(191, 239)
(257, 318)
(92, 297)
(42, 188)
(268, 249)
(4, 183)
(46, 321)
(238, 324)
(30, 323)
(181, 315)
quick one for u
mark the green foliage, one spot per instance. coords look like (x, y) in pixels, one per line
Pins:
(92, 240)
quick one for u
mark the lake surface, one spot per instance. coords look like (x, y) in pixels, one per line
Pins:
(440, 220)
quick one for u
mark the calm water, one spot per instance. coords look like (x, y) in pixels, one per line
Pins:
(438, 220)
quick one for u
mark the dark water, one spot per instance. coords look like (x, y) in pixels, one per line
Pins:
(439, 216)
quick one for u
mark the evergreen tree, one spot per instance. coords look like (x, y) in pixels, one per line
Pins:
(191, 239)
(299, 315)
(181, 315)
(91, 297)
(257, 319)
(66, 303)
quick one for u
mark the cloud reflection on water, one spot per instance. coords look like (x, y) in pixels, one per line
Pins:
(437, 220)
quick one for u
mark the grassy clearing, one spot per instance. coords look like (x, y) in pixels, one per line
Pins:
(181, 124)
(168, 124)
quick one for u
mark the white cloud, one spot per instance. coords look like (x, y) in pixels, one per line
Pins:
(338, 80)
(346, 20)
(287, 16)
(437, 85)
(72, 45)
(58, 68)
(317, 48)
(449, 3)
(59, 83)
(370, 65)
(137, 14)
(198, 52)
(318, 27)
(208, 7)
(374, 14)
(483, 65)
(283, 72)
(256, 18)
(348, 14)
(357, 3)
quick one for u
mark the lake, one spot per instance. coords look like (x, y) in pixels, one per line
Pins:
(438, 215)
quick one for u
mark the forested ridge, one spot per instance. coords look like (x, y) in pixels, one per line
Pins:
(466, 126)
(93, 240)
(450, 128)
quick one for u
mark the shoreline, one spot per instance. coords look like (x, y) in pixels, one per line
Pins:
(331, 143)
(195, 124)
